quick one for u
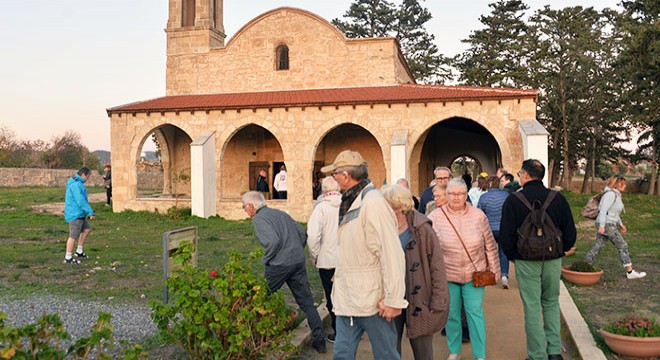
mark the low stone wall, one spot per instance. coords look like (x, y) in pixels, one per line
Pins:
(15, 177)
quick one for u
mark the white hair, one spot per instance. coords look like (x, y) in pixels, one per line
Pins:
(255, 198)
(329, 184)
(457, 182)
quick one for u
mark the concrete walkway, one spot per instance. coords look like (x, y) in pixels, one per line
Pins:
(504, 330)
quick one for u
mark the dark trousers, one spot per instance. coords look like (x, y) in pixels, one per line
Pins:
(281, 195)
(295, 276)
(108, 194)
(326, 279)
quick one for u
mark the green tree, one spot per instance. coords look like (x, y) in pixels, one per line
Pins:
(497, 54)
(379, 18)
(639, 65)
(68, 152)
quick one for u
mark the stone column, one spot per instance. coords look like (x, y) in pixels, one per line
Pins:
(399, 156)
(535, 143)
(203, 175)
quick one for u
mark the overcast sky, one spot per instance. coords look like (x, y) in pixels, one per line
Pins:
(63, 62)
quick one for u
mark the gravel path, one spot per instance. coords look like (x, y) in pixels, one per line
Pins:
(130, 322)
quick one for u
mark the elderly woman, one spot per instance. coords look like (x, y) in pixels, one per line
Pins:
(322, 240)
(439, 198)
(455, 224)
(426, 278)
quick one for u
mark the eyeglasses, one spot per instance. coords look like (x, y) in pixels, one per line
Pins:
(336, 172)
(245, 205)
(520, 173)
(442, 178)
(457, 194)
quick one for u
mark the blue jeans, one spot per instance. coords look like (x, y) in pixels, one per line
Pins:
(382, 335)
(473, 298)
(504, 261)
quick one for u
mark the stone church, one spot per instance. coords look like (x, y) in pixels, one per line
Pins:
(289, 88)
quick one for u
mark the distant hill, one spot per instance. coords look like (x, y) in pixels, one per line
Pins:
(103, 156)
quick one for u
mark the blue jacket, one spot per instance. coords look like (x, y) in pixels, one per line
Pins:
(491, 204)
(76, 204)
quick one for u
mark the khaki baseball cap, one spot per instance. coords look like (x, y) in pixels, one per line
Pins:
(345, 158)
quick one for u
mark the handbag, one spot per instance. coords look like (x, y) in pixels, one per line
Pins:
(479, 278)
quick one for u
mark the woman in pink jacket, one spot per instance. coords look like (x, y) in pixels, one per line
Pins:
(450, 221)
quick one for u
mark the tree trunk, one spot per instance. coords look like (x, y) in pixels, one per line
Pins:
(564, 123)
(593, 164)
(654, 173)
(587, 176)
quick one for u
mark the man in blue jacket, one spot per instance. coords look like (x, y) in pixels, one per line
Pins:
(76, 210)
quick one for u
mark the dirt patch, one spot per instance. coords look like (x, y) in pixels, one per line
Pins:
(58, 208)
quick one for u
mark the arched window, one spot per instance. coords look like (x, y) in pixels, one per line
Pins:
(188, 13)
(282, 57)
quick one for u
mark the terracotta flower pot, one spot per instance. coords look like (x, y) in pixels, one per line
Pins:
(639, 347)
(581, 278)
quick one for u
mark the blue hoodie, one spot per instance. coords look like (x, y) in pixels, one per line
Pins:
(76, 205)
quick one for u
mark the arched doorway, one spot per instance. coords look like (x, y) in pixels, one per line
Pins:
(163, 163)
(350, 137)
(449, 140)
(251, 149)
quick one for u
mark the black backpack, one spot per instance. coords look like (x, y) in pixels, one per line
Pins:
(538, 237)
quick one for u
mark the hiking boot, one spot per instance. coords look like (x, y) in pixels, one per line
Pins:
(331, 338)
(454, 357)
(72, 261)
(81, 255)
(634, 274)
(505, 282)
(319, 346)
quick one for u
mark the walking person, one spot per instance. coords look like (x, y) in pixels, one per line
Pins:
(322, 241)
(76, 211)
(107, 183)
(280, 183)
(538, 280)
(468, 246)
(608, 224)
(491, 204)
(283, 240)
(369, 284)
(262, 183)
(426, 279)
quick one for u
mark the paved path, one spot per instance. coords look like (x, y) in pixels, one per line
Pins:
(504, 331)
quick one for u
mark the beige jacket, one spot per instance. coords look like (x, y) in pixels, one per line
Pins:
(474, 229)
(322, 231)
(370, 261)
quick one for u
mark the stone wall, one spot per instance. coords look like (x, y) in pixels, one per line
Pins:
(15, 177)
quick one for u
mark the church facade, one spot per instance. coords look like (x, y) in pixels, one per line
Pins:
(289, 88)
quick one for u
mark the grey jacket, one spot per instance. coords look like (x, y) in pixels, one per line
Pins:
(282, 238)
(610, 207)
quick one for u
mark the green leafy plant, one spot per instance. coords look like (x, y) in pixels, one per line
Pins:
(582, 266)
(44, 340)
(225, 314)
(633, 325)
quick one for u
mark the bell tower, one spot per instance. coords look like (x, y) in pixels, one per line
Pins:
(194, 26)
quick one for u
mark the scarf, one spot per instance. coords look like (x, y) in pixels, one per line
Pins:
(349, 196)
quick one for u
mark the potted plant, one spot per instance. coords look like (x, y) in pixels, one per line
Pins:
(581, 273)
(633, 336)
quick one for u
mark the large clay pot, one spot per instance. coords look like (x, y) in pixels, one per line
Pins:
(639, 347)
(581, 278)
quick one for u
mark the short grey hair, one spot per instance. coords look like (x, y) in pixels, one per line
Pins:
(256, 198)
(403, 181)
(329, 184)
(358, 173)
(442, 168)
(457, 182)
(398, 196)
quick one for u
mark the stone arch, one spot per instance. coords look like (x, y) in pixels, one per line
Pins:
(354, 137)
(248, 148)
(174, 145)
(448, 139)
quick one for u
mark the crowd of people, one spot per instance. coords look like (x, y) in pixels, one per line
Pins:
(388, 261)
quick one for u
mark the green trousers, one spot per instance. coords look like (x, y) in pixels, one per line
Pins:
(538, 282)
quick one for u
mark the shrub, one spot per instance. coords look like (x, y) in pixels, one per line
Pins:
(582, 266)
(45, 338)
(636, 326)
(226, 314)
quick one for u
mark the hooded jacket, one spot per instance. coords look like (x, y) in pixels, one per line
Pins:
(610, 208)
(322, 231)
(76, 203)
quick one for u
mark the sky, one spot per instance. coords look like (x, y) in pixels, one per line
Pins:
(64, 62)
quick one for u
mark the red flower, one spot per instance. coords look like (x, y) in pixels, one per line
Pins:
(213, 274)
(293, 314)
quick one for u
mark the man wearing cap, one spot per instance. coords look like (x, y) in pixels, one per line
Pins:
(369, 283)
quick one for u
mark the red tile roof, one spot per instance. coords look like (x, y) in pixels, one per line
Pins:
(397, 94)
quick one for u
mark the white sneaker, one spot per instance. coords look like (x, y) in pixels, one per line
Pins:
(454, 357)
(635, 274)
(505, 282)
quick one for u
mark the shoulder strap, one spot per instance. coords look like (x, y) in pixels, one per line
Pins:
(548, 200)
(459, 238)
(523, 200)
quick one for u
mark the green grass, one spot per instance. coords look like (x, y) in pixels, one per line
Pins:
(125, 249)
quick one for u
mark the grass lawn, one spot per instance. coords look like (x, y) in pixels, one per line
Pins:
(125, 252)
(125, 249)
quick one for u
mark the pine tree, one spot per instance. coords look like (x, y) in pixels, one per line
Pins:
(496, 56)
(378, 18)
